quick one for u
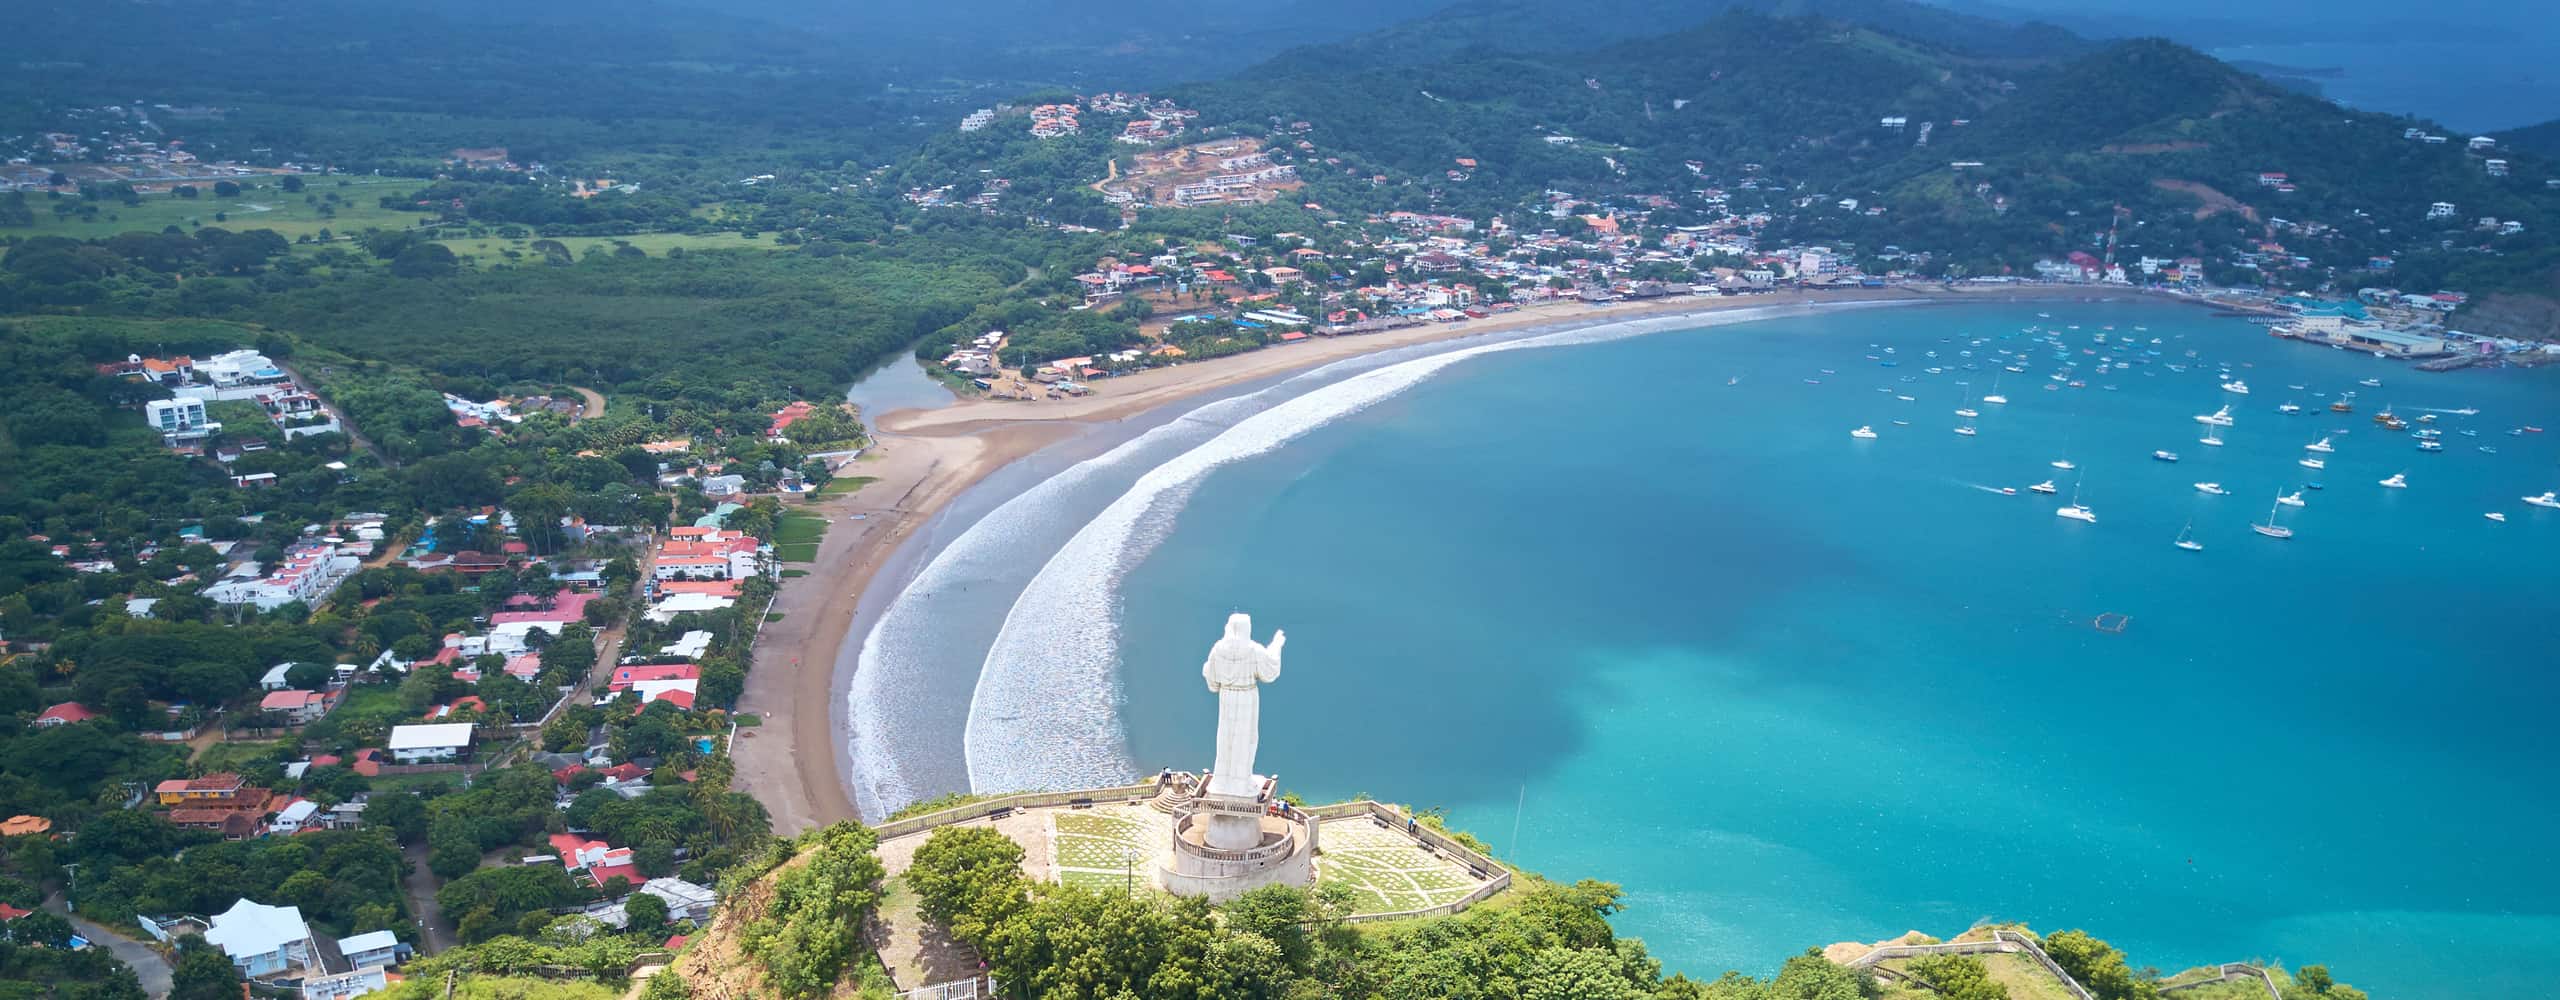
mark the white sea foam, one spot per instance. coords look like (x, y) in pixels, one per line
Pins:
(1046, 713)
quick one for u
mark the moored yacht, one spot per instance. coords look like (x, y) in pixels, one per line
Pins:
(2271, 529)
(1864, 433)
(2398, 481)
(2064, 464)
(2312, 463)
(2165, 455)
(2236, 387)
(2186, 538)
(2212, 489)
(2322, 446)
(2048, 487)
(2218, 418)
(2289, 409)
(2547, 499)
(2293, 499)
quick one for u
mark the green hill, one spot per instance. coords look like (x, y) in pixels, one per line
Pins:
(2165, 141)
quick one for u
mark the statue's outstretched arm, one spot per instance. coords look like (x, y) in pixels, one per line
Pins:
(1270, 670)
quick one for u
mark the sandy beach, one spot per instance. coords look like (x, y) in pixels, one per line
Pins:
(921, 459)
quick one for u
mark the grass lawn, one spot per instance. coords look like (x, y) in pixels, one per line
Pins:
(2025, 979)
(378, 702)
(234, 755)
(414, 782)
(527, 988)
(796, 538)
(2230, 989)
(262, 204)
(793, 574)
(841, 485)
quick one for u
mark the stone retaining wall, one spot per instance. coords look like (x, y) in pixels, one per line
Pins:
(2002, 941)
(984, 808)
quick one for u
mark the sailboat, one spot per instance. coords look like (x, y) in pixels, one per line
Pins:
(2322, 446)
(1966, 428)
(1966, 412)
(2186, 538)
(1996, 398)
(2077, 511)
(2271, 529)
(2210, 439)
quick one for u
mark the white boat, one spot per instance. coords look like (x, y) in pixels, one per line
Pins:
(1966, 430)
(2064, 464)
(1996, 398)
(2547, 499)
(2371, 383)
(2218, 418)
(2186, 539)
(2293, 499)
(2322, 446)
(2048, 487)
(2495, 516)
(2077, 511)
(2271, 529)
(2289, 409)
(2165, 455)
(2398, 481)
(2212, 489)
(2312, 463)
(2210, 438)
(2236, 387)
(1864, 433)
(2430, 444)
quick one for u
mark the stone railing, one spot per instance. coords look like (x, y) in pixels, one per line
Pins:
(984, 808)
(2234, 970)
(2002, 940)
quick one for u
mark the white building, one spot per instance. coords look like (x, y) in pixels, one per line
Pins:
(666, 611)
(178, 418)
(293, 818)
(436, 742)
(238, 368)
(346, 986)
(262, 940)
(370, 949)
(308, 574)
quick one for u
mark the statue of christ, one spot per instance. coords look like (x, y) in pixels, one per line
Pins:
(1237, 666)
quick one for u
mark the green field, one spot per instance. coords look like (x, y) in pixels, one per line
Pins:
(1389, 871)
(841, 485)
(796, 538)
(261, 205)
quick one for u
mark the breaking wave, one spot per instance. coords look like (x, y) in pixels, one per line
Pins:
(1046, 711)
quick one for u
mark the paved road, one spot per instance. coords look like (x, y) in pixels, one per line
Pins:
(434, 934)
(147, 964)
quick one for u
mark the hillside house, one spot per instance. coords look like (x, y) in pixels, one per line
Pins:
(261, 940)
(431, 743)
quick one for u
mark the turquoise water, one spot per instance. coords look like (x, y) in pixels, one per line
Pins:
(1790, 688)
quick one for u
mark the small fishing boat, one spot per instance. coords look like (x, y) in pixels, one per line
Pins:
(2289, 409)
(2236, 387)
(2218, 418)
(2370, 383)
(2495, 516)
(2293, 499)
(2045, 487)
(2322, 446)
(2315, 485)
(2212, 489)
(2430, 444)
(2165, 455)
(2008, 491)
(2398, 481)
(1864, 433)
(2342, 406)
(2312, 463)
(2064, 464)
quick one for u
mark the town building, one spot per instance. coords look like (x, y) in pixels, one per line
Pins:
(432, 743)
(261, 940)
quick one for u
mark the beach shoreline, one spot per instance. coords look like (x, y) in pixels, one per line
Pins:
(921, 460)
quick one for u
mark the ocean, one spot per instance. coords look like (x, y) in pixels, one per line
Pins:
(1640, 609)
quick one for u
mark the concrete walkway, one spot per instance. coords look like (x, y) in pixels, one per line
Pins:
(148, 965)
(434, 935)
